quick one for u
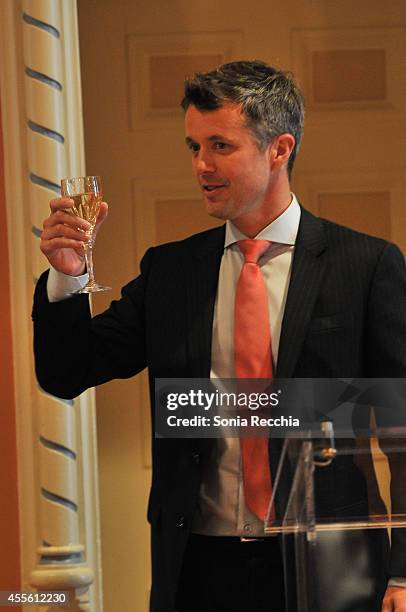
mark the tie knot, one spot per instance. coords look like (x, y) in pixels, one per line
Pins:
(253, 249)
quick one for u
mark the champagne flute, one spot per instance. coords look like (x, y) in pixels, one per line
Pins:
(86, 193)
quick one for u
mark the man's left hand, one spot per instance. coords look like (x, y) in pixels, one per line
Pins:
(394, 600)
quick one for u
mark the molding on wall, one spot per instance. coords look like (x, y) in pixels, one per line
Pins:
(311, 185)
(147, 53)
(390, 41)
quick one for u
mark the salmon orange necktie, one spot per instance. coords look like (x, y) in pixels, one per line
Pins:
(253, 359)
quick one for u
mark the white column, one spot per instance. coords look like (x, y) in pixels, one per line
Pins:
(44, 74)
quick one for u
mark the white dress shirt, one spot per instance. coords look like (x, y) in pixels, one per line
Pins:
(222, 510)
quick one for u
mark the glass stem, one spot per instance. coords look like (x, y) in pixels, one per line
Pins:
(89, 261)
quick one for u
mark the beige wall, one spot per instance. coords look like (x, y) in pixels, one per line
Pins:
(351, 64)
(9, 527)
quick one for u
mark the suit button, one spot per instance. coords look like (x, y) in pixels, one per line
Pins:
(196, 458)
(181, 521)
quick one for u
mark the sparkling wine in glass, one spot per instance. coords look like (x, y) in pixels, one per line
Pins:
(86, 193)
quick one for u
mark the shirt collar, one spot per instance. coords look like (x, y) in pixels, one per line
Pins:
(282, 230)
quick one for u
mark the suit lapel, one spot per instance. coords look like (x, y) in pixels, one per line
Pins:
(203, 273)
(203, 265)
(307, 273)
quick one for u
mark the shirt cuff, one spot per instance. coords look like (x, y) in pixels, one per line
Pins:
(397, 582)
(61, 286)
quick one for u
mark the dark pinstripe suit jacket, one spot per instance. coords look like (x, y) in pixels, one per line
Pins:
(345, 316)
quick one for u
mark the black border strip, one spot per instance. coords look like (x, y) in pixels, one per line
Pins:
(38, 180)
(41, 24)
(59, 500)
(39, 76)
(58, 447)
(40, 129)
(61, 559)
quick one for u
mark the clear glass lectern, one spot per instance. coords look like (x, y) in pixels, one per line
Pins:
(339, 507)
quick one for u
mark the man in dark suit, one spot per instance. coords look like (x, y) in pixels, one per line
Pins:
(329, 316)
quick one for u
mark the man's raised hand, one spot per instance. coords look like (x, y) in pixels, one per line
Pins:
(63, 236)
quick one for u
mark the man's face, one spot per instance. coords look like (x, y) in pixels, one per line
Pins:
(233, 173)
